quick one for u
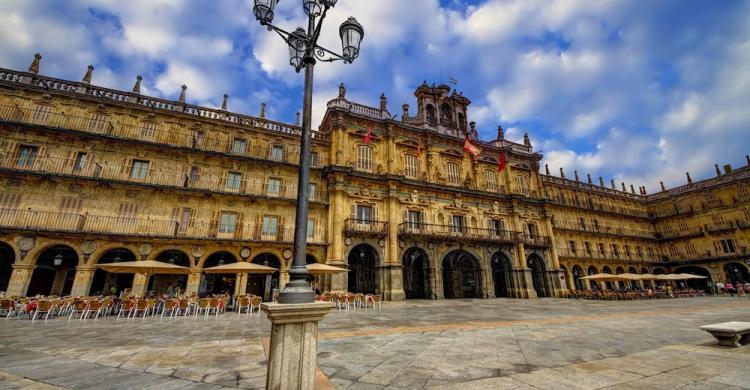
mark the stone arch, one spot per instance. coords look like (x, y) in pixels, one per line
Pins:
(461, 275)
(502, 275)
(591, 270)
(33, 255)
(54, 271)
(169, 284)
(646, 283)
(415, 273)
(218, 283)
(7, 259)
(104, 282)
(737, 272)
(263, 285)
(538, 275)
(99, 253)
(227, 252)
(577, 274)
(698, 284)
(363, 261)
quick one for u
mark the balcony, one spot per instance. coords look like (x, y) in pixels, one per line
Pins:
(457, 233)
(365, 228)
(154, 177)
(174, 135)
(596, 255)
(535, 241)
(616, 231)
(38, 220)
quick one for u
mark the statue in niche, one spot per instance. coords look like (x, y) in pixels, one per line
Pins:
(414, 197)
(430, 113)
(495, 207)
(457, 203)
(437, 175)
(380, 169)
(468, 183)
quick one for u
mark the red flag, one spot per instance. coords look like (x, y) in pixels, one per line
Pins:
(368, 136)
(501, 162)
(472, 149)
(419, 148)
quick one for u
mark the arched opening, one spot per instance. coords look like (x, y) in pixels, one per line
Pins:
(538, 275)
(7, 258)
(109, 283)
(316, 281)
(263, 285)
(461, 275)
(646, 283)
(698, 284)
(577, 274)
(461, 121)
(591, 271)
(608, 283)
(218, 283)
(659, 271)
(362, 272)
(736, 272)
(445, 114)
(502, 275)
(54, 273)
(633, 283)
(170, 284)
(415, 274)
(430, 113)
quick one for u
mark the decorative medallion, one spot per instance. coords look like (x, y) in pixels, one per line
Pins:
(145, 249)
(245, 252)
(198, 251)
(26, 243)
(381, 243)
(88, 247)
(287, 253)
(348, 241)
(401, 244)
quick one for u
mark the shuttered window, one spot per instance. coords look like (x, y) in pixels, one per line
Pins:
(234, 181)
(41, 114)
(364, 158)
(277, 153)
(139, 169)
(490, 177)
(71, 205)
(97, 122)
(274, 187)
(454, 173)
(148, 130)
(26, 156)
(227, 222)
(239, 146)
(10, 200)
(411, 166)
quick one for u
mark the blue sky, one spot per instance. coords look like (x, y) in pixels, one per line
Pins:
(638, 91)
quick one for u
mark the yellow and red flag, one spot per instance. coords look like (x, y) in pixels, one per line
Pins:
(368, 136)
(501, 162)
(471, 148)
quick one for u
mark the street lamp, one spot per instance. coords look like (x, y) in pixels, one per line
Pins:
(304, 52)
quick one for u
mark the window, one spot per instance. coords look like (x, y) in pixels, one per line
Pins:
(364, 158)
(364, 214)
(274, 187)
(596, 224)
(80, 162)
(531, 229)
(227, 222)
(139, 169)
(522, 184)
(497, 226)
(270, 225)
(582, 223)
(148, 130)
(673, 251)
(491, 178)
(414, 217)
(127, 212)
(315, 159)
(627, 250)
(454, 173)
(194, 174)
(26, 155)
(97, 122)
(457, 223)
(310, 229)
(41, 114)
(689, 248)
(277, 153)
(71, 205)
(572, 246)
(411, 166)
(587, 247)
(615, 250)
(639, 252)
(10, 201)
(602, 252)
(234, 181)
(650, 251)
(313, 192)
(186, 219)
(239, 146)
(727, 246)
(197, 138)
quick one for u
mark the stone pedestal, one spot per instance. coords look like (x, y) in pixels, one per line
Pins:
(294, 344)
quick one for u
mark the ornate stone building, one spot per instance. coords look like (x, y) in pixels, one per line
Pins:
(92, 175)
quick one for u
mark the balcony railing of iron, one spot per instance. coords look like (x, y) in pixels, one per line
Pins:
(151, 176)
(596, 255)
(365, 227)
(173, 136)
(537, 241)
(75, 222)
(602, 229)
(428, 230)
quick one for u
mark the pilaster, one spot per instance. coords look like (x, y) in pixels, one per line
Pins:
(20, 279)
(82, 282)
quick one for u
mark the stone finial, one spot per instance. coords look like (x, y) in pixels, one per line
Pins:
(546, 168)
(623, 187)
(526, 140)
(644, 191)
(383, 102)
(601, 181)
(661, 183)
(263, 110)
(632, 189)
(747, 158)
(718, 171)
(405, 111)
(575, 173)
(500, 134)
(562, 172)
(89, 73)
(296, 119)
(224, 102)
(690, 180)
(34, 67)
(342, 91)
(728, 168)
(473, 127)
(612, 181)
(588, 176)
(183, 93)
(137, 86)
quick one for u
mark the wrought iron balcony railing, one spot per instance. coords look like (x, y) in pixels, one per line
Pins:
(157, 177)
(365, 228)
(602, 229)
(72, 222)
(153, 133)
(453, 232)
(596, 255)
(537, 241)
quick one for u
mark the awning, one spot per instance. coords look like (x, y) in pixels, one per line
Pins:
(240, 267)
(148, 267)
(320, 269)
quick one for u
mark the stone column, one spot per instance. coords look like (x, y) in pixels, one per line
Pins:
(294, 344)
(241, 284)
(20, 279)
(337, 214)
(82, 281)
(59, 282)
(193, 282)
(394, 290)
(140, 284)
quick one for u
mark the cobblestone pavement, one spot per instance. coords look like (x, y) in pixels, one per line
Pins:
(466, 344)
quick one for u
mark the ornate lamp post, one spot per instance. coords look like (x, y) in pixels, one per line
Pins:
(304, 52)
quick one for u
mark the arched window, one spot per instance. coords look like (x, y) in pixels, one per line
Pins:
(461, 121)
(364, 158)
(430, 112)
(454, 173)
(445, 114)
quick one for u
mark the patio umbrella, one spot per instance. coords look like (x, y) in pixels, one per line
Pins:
(691, 276)
(647, 277)
(320, 269)
(602, 277)
(629, 276)
(240, 268)
(148, 267)
(662, 277)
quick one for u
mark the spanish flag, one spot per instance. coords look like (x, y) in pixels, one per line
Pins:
(368, 136)
(472, 149)
(501, 162)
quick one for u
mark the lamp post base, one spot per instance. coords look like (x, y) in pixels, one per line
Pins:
(294, 344)
(297, 292)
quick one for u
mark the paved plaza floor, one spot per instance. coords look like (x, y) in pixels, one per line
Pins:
(451, 344)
